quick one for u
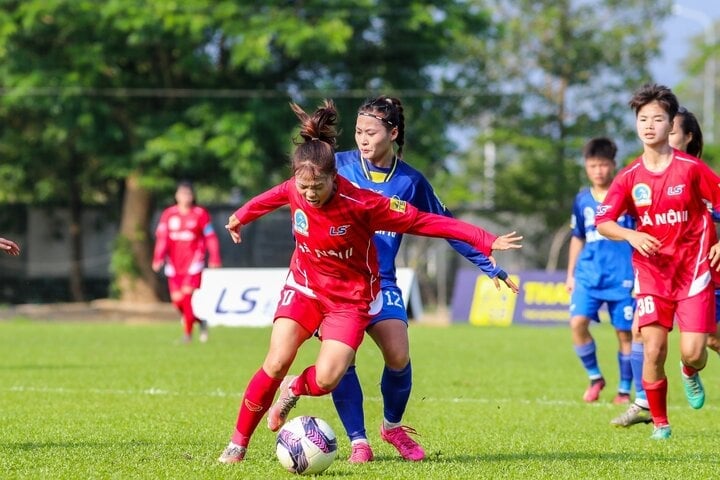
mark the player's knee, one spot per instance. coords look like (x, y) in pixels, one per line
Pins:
(397, 362)
(276, 367)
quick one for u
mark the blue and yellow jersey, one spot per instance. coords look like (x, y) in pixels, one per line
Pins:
(403, 182)
(604, 266)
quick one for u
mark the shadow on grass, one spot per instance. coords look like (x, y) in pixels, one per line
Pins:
(659, 457)
(31, 446)
(438, 457)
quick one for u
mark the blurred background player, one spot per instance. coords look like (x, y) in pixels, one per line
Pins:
(9, 247)
(599, 272)
(665, 190)
(686, 136)
(183, 238)
(332, 285)
(376, 166)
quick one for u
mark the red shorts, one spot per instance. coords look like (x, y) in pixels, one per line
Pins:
(345, 324)
(695, 314)
(177, 282)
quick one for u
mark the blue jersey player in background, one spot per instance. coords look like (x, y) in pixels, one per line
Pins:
(376, 166)
(600, 271)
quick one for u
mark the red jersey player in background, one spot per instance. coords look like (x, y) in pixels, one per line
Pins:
(10, 247)
(333, 282)
(184, 236)
(664, 189)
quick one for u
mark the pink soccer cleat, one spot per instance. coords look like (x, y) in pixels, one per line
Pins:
(286, 401)
(621, 398)
(593, 391)
(361, 453)
(398, 437)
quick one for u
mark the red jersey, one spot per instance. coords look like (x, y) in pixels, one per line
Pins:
(335, 258)
(182, 240)
(668, 205)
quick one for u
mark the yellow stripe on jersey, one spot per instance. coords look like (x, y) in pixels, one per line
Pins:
(377, 177)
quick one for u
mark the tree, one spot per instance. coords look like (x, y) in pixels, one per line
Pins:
(127, 96)
(563, 71)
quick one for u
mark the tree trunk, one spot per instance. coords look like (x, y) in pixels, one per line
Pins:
(76, 245)
(559, 238)
(138, 284)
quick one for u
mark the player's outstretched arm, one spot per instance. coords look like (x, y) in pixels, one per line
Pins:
(10, 247)
(509, 241)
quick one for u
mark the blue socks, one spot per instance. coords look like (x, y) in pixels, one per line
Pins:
(626, 372)
(588, 357)
(395, 387)
(348, 400)
(636, 362)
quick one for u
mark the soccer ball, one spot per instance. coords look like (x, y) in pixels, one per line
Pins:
(306, 445)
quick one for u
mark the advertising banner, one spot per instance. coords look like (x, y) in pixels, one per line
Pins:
(542, 300)
(247, 297)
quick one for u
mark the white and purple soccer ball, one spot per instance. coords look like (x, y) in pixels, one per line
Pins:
(306, 445)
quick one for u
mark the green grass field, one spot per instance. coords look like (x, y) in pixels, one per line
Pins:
(112, 400)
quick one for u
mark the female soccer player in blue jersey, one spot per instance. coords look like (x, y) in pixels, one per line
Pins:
(376, 165)
(599, 271)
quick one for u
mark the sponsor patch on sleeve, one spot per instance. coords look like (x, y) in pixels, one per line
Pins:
(397, 205)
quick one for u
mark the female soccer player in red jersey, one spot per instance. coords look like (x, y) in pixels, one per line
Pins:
(9, 247)
(686, 136)
(674, 250)
(184, 236)
(333, 283)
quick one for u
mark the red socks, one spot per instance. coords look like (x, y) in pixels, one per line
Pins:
(688, 370)
(257, 400)
(306, 384)
(657, 401)
(259, 396)
(188, 315)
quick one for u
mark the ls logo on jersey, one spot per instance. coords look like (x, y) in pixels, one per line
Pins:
(397, 205)
(300, 222)
(676, 190)
(641, 194)
(338, 231)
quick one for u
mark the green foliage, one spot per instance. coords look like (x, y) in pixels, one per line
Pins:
(564, 71)
(114, 400)
(122, 263)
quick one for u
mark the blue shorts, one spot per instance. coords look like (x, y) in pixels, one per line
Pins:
(621, 311)
(717, 305)
(393, 306)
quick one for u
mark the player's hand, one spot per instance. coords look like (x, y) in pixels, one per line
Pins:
(570, 284)
(509, 241)
(714, 256)
(156, 266)
(646, 244)
(10, 247)
(233, 228)
(508, 282)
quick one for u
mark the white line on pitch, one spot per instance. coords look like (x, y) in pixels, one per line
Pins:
(153, 391)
